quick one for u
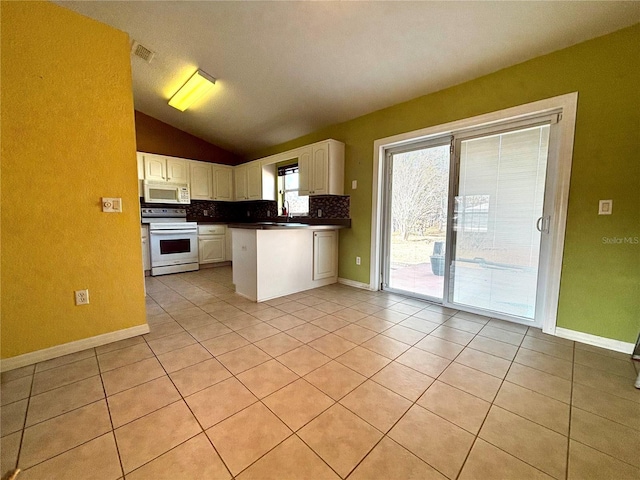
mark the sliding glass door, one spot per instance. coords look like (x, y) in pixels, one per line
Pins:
(497, 221)
(466, 231)
(416, 219)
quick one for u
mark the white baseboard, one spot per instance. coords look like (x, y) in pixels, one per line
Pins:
(71, 347)
(596, 341)
(353, 283)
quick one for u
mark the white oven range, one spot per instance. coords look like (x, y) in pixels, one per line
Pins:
(173, 240)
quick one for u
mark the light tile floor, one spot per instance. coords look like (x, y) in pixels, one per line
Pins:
(330, 383)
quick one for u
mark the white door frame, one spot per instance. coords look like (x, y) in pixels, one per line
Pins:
(557, 182)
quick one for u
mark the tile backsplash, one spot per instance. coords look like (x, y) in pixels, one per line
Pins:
(332, 206)
(203, 208)
(232, 211)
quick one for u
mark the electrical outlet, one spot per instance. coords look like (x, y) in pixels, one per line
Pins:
(354, 184)
(358, 260)
(82, 297)
(319, 213)
(268, 213)
(205, 213)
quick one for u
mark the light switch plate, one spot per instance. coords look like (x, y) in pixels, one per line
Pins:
(605, 207)
(111, 205)
(354, 184)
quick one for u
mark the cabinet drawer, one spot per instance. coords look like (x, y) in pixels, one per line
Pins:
(211, 229)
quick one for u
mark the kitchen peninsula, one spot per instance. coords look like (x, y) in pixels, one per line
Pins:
(272, 259)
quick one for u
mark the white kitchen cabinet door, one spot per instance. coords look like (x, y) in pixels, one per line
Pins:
(177, 170)
(304, 171)
(325, 254)
(165, 169)
(321, 168)
(222, 183)
(155, 168)
(211, 248)
(240, 177)
(254, 181)
(201, 181)
(319, 180)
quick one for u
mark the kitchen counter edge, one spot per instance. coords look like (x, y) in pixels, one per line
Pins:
(287, 226)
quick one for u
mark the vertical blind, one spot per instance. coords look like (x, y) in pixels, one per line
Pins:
(500, 197)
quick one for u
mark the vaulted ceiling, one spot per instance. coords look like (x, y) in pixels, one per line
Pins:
(285, 69)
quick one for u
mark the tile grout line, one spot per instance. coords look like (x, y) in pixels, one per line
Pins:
(57, 416)
(335, 402)
(113, 430)
(492, 403)
(301, 377)
(258, 400)
(183, 400)
(24, 423)
(413, 403)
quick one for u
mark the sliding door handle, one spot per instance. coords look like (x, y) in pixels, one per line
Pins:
(543, 224)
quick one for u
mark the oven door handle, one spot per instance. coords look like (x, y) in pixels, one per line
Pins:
(173, 232)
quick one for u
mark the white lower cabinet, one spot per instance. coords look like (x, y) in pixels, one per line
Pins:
(212, 243)
(325, 254)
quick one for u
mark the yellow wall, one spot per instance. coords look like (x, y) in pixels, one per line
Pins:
(67, 139)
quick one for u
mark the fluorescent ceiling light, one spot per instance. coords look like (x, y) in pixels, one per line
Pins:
(199, 84)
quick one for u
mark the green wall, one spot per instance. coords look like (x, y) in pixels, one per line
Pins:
(600, 286)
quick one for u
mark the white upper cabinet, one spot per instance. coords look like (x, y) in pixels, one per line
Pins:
(322, 168)
(222, 183)
(177, 170)
(201, 180)
(254, 181)
(155, 168)
(248, 180)
(165, 169)
(319, 179)
(241, 182)
(210, 181)
(304, 164)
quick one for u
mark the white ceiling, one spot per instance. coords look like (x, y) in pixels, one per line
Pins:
(285, 69)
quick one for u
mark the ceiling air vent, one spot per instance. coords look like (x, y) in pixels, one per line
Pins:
(143, 52)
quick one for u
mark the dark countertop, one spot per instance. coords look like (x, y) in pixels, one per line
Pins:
(209, 221)
(285, 226)
(307, 221)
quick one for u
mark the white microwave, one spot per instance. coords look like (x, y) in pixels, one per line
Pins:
(159, 192)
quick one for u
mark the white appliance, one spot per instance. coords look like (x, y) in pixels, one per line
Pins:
(173, 241)
(159, 192)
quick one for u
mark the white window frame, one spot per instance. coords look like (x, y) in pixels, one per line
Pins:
(282, 192)
(558, 181)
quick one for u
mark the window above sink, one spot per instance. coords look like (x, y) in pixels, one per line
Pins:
(288, 191)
